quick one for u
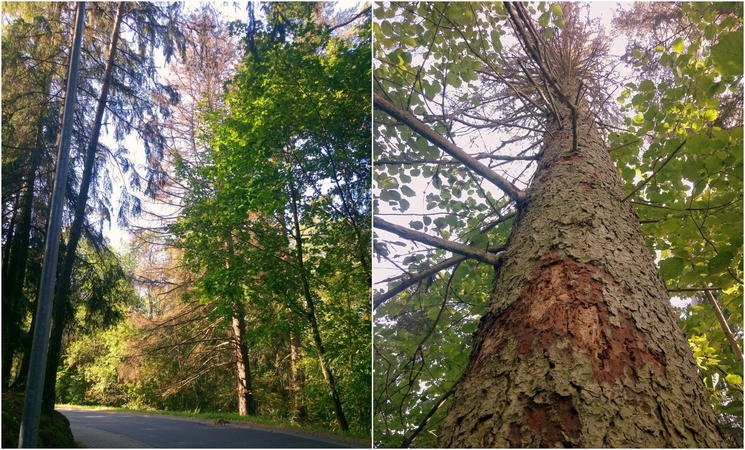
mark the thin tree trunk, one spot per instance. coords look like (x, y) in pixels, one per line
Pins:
(298, 376)
(246, 404)
(63, 283)
(579, 345)
(311, 314)
(725, 327)
(8, 304)
(9, 237)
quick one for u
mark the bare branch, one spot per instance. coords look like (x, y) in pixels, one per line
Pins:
(461, 249)
(416, 278)
(451, 149)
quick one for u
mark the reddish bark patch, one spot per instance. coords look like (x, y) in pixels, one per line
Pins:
(514, 435)
(553, 422)
(556, 421)
(564, 304)
(587, 187)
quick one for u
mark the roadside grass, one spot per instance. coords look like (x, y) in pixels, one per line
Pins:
(355, 437)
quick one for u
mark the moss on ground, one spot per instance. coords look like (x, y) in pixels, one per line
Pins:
(54, 431)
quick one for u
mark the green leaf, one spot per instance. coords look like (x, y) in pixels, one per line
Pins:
(416, 225)
(460, 273)
(556, 10)
(720, 262)
(407, 191)
(544, 19)
(671, 268)
(710, 115)
(469, 327)
(646, 85)
(727, 54)
(733, 379)
(386, 28)
(678, 45)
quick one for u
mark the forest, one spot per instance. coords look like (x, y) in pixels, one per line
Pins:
(232, 144)
(558, 224)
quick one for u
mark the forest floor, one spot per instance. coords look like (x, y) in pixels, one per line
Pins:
(256, 422)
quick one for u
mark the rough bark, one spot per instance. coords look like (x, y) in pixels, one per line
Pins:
(63, 283)
(579, 345)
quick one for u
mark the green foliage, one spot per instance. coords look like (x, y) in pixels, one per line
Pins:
(89, 375)
(693, 205)
(277, 221)
(96, 347)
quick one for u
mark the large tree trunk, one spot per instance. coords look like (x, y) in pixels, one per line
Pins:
(246, 405)
(63, 283)
(579, 345)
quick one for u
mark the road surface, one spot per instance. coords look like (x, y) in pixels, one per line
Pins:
(117, 429)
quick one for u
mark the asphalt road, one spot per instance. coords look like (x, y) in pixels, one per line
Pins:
(125, 429)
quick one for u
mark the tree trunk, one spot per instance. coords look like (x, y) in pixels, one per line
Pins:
(63, 283)
(15, 277)
(298, 376)
(9, 325)
(579, 345)
(246, 405)
(341, 420)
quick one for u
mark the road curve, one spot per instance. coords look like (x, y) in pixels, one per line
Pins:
(118, 429)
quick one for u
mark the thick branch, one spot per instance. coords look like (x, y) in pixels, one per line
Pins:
(461, 249)
(448, 147)
(393, 162)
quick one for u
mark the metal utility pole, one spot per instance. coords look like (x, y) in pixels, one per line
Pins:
(35, 382)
